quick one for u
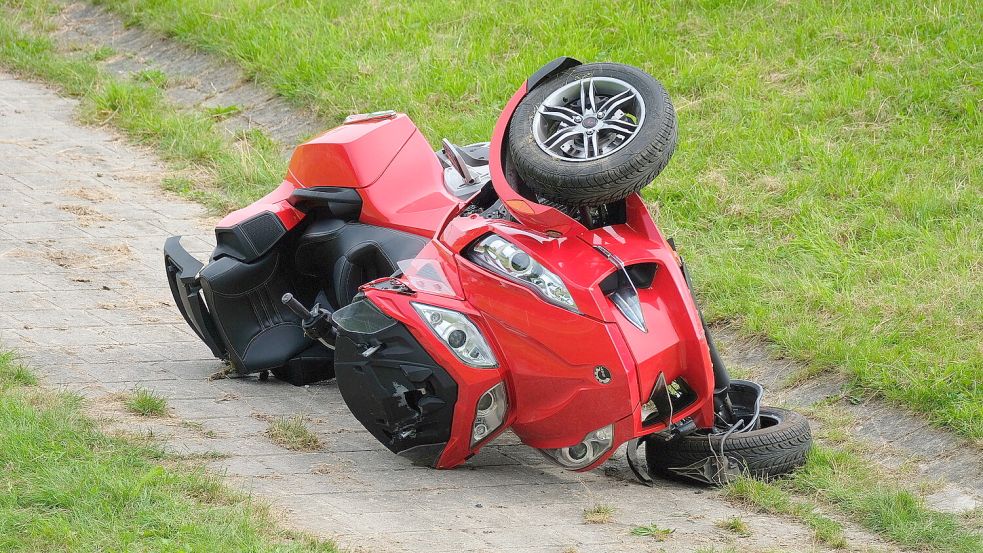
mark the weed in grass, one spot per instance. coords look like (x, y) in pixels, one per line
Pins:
(735, 525)
(193, 425)
(653, 531)
(292, 433)
(13, 374)
(147, 403)
(203, 456)
(222, 112)
(599, 514)
(102, 53)
(153, 77)
(199, 427)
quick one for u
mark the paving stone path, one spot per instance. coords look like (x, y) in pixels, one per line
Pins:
(84, 300)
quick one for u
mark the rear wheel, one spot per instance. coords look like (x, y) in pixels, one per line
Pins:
(593, 134)
(777, 447)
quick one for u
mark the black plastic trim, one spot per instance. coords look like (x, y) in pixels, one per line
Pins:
(559, 64)
(395, 388)
(250, 239)
(343, 203)
(182, 276)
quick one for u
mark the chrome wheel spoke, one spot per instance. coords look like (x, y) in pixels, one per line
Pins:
(612, 103)
(559, 112)
(593, 150)
(559, 136)
(590, 97)
(583, 98)
(619, 127)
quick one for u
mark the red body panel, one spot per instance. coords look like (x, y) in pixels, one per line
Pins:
(387, 160)
(274, 202)
(350, 156)
(410, 194)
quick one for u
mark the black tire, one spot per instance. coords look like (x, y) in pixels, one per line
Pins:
(777, 448)
(607, 179)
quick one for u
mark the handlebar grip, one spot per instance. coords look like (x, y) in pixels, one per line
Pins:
(298, 308)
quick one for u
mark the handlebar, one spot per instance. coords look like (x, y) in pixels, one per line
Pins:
(298, 308)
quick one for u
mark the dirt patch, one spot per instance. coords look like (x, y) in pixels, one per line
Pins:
(85, 216)
(105, 256)
(92, 194)
(136, 304)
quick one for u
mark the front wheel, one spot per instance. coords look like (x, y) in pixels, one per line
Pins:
(593, 134)
(777, 447)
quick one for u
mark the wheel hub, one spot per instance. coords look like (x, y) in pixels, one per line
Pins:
(588, 119)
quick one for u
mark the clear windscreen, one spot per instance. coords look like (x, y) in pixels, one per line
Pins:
(425, 273)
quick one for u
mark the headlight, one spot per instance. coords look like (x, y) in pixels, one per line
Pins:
(459, 335)
(578, 456)
(501, 256)
(489, 413)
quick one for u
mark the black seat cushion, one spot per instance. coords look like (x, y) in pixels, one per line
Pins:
(259, 332)
(345, 255)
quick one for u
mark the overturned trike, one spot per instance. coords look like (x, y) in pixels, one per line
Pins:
(519, 284)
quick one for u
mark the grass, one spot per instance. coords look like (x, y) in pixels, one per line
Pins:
(293, 434)
(860, 490)
(147, 403)
(653, 531)
(154, 77)
(599, 514)
(773, 499)
(199, 427)
(13, 374)
(839, 474)
(827, 187)
(69, 487)
(734, 525)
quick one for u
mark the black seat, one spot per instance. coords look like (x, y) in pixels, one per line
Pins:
(345, 255)
(259, 332)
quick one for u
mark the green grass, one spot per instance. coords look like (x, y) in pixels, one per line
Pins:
(12, 373)
(734, 525)
(68, 487)
(147, 403)
(599, 514)
(653, 531)
(154, 77)
(863, 492)
(773, 499)
(293, 434)
(839, 474)
(827, 187)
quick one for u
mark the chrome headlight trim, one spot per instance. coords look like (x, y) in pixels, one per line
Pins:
(458, 334)
(509, 260)
(490, 413)
(594, 445)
